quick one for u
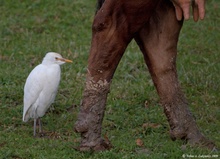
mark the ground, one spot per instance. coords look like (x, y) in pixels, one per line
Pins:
(134, 121)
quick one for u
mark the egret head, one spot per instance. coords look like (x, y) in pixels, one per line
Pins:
(54, 58)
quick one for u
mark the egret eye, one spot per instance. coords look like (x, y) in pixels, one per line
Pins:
(59, 59)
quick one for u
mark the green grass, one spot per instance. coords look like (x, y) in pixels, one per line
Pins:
(29, 29)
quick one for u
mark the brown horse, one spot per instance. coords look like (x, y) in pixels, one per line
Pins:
(153, 25)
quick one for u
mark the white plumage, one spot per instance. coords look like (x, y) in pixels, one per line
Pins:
(41, 87)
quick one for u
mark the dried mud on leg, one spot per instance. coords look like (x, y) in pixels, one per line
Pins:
(91, 114)
(183, 125)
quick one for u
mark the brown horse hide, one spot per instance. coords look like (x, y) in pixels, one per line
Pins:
(153, 25)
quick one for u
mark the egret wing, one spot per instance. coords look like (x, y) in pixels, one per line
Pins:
(32, 89)
(49, 91)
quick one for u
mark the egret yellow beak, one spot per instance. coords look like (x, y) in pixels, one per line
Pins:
(64, 60)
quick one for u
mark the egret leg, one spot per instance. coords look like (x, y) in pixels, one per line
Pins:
(35, 121)
(40, 125)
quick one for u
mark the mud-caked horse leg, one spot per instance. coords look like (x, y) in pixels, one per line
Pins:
(113, 28)
(102, 63)
(158, 42)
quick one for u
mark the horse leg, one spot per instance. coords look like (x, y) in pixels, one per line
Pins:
(106, 51)
(111, 34)
(158, 42)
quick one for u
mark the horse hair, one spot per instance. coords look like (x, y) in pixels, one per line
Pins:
(99, 4)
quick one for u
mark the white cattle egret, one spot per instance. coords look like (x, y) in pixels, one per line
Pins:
(41, 87)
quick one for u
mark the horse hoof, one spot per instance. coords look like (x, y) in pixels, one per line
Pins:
(102, 145)
(202, 142)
